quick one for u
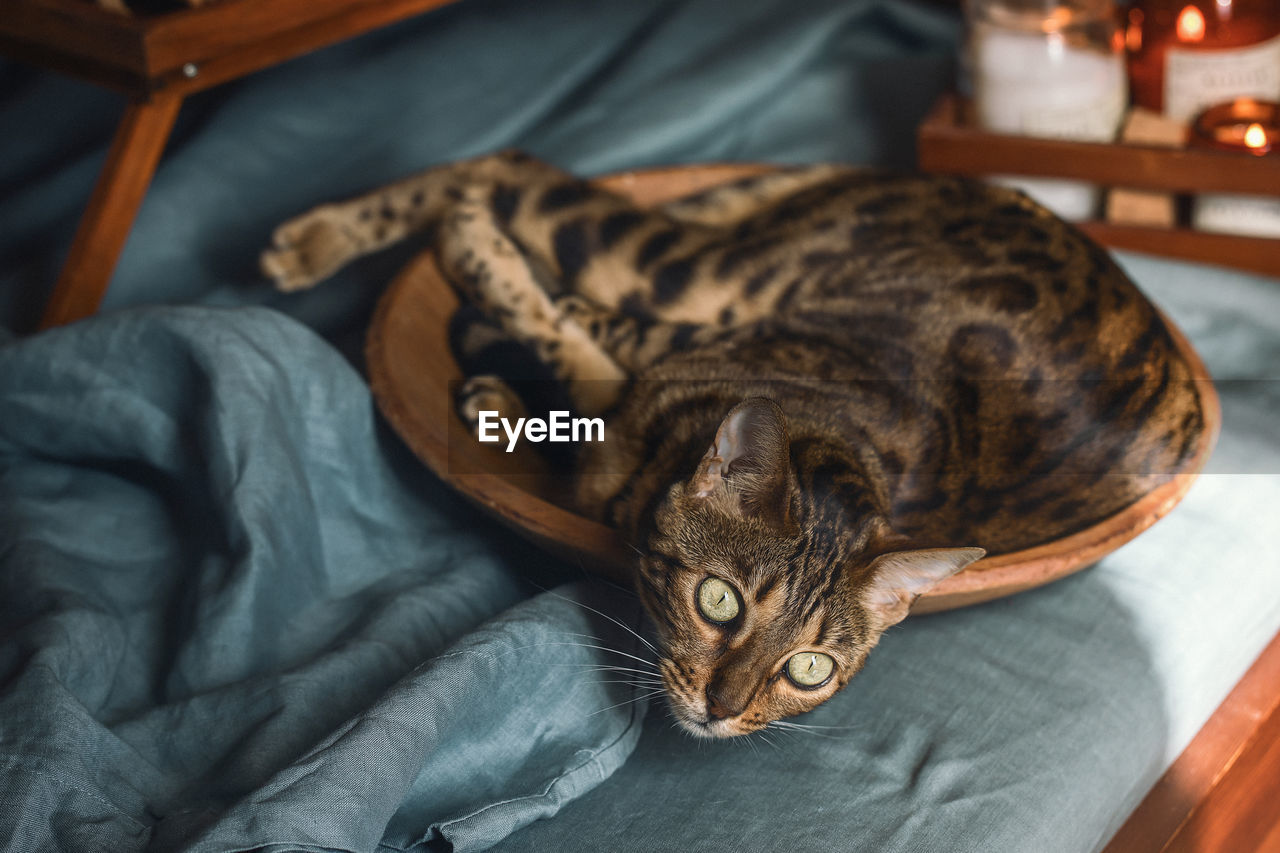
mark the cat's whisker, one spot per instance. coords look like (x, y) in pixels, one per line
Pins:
(616, 652)
(601, 648)
(581, 634)
(612, 619)
(616, 670)
(802, 729)
(595, 576)
(651, 674)
(613, 669)
(632, 631)
(592, 637)
(629, 679)
(630, 701)
(637, 683)
(650, 670)
(767, 740)
(649, 688)
(786, 732)
(578, 634)
(789, 724)
(545, 644)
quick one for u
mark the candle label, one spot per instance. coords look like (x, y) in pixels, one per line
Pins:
(1252, 216)
(1196, 79)
(1092, 121)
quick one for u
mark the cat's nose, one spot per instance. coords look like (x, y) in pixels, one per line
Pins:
(717, 706)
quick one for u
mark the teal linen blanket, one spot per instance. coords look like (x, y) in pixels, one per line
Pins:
(235, 614)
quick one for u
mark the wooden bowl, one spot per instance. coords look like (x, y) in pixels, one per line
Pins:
(413, 373)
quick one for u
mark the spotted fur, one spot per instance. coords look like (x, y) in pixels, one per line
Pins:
(828, 387)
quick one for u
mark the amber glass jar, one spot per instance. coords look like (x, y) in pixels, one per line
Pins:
(1187, 55)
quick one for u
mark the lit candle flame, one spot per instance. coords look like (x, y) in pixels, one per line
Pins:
(1255, 136)
(1133, 32)
(1190, 24)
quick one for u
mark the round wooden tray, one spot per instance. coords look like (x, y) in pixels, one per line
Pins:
(412, 371)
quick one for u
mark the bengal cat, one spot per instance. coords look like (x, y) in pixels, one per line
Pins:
(825, 390)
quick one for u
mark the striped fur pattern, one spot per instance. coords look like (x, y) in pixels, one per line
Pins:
(826, 388)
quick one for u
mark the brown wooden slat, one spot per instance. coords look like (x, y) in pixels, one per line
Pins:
(77, 38)
(1242, 812)
(1256, 254)
(112, 76)
(235, 37)
(947, 144)
(1223, 792)
(224, 40)
(107, 219)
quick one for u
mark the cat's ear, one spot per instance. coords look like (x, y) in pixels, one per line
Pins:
(900, 577)
(750, 459)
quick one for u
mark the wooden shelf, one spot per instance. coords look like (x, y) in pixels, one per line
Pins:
(949, 143)
(185, 51)
(157, 61)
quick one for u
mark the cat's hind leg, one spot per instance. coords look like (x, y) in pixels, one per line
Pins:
(635, 342)
(495, 275)
(733, 202)
(685, 262)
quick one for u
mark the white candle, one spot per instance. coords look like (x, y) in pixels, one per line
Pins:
(1250, 215)
(1043, 84)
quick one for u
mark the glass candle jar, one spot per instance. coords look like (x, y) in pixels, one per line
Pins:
(1049, 68)
(1187, 55)
(1249, 128)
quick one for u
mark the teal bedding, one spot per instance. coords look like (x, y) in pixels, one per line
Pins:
(236, 614)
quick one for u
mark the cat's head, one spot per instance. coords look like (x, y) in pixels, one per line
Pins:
(763, 608)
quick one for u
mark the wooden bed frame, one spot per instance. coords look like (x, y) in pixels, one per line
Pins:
(1221, 794)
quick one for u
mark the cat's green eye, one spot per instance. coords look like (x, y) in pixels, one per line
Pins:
(810, 669)
(717, 600)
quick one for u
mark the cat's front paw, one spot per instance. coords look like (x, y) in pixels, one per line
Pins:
(309, 248)
(487, 394)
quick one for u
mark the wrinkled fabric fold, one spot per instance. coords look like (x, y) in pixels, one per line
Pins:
(236, 613)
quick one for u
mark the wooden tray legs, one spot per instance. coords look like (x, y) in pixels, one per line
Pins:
(107, 219)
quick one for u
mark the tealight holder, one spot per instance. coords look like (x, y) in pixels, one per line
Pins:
(1247, 127)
